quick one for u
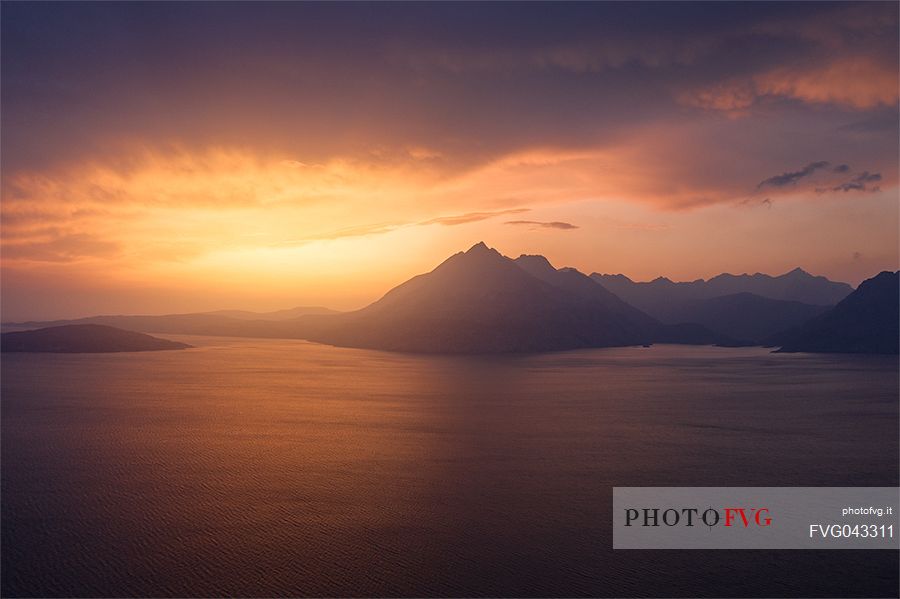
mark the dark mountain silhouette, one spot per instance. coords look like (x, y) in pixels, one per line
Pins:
(865, 322)
(656, 296)
(577, 282)
(794, 286)
(741, 315)
(83, 338)
(480, 301)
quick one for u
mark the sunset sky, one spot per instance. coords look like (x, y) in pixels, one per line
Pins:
(168, 157)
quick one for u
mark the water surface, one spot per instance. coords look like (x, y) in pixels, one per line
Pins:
(272, 467)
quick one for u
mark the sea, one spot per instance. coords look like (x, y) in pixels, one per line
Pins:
(257, 467)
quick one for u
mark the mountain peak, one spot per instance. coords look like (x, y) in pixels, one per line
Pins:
(480, 253)
(479, 247)
(534, 264)
(480, 301)
(798, 272)
(601, 276)
(476, 258)
(533, 258)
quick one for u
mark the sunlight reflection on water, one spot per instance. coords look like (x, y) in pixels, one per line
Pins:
(264, 467)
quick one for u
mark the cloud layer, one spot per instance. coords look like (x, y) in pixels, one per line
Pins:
(544, 225)
(170, 142)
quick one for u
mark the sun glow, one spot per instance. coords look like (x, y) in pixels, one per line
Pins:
(220, 167)
(276, 231)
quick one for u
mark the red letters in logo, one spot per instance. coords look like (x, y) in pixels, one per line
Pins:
(755, 516)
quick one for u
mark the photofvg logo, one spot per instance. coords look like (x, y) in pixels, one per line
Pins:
(755, 517)
(692, 516)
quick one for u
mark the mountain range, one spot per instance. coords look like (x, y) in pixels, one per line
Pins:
(747, 307)
(480, 301)
(796, 286)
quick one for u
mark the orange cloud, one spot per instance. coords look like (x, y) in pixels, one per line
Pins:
(857, 82)
(156, 207)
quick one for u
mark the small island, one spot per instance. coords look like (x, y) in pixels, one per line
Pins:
(82, 339)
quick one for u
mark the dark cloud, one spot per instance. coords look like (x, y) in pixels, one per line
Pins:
(865, 177)
(860, 183)
(841, 168)
(461, 78)
(790, 178)
(545, 225)
(879, 123)
(767, 202)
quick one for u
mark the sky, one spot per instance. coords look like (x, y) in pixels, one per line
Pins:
(171, 157)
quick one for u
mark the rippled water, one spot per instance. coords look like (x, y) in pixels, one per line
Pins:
(261, 467)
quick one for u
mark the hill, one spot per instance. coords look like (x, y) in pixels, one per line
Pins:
(866, 321)
(84, 338)
(183, 324)
(742, 315)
